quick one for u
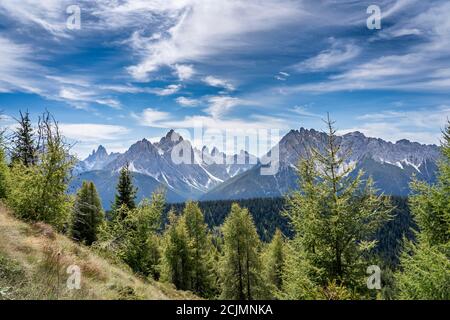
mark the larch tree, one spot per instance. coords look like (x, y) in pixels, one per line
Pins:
(273, 260)
(140, 245)
(424, 266)
(200, 246)
(335, 216)
(241, 270)
(176, 257)
(87, 214)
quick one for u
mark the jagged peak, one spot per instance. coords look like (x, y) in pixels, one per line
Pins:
(173, 136)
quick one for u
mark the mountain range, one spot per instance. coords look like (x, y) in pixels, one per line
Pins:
(214, 175)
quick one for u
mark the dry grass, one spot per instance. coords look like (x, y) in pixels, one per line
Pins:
(34, 259)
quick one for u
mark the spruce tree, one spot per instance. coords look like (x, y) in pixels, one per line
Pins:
(425, 265)
(87, 214)
(24, 144)
(241, 271)
(126, 192)
(335, 217)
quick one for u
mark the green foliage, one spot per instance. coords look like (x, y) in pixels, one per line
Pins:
(126, 192)
(273, 259)
(296, 275)
(335, 217)
(176, 259)
(134, 238)
(425, 266)
(200, 247)
(24, 147)
(38, 192)
(4, 173)
(425, 273)
(87, 214)
(240, 266)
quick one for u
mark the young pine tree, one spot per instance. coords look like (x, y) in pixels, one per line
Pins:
(335, 217)
(87, 214)
(425, 265)
(126, 192)
(24, 144)
(241, 271)
(200, 247)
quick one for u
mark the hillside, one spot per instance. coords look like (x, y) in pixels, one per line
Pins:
(34, 259)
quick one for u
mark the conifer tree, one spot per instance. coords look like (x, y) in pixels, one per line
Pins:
(4, 172)
(140, 244)
(425, 265)
(335, 217)
(24, 144)
(200, 249)
(241, 269)
(87, 214)
(39, 191)
(273, 260)
(126, 192)
(176, 255)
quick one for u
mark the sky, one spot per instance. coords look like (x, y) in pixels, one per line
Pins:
(136, 68)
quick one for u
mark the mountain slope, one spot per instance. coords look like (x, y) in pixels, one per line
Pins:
(34, 259)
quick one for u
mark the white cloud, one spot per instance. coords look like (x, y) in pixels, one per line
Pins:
(422, 125)
(218, 83)
(417, 68)
(84, 96)
(184, 71)
(169, 90)
(201, 29)
(221, 105)
(187, 102)
(151, 117)
(17, 67)
(47, 14)
(338, 53)
(91, 132)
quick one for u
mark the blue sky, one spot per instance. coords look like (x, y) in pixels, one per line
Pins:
(137, 68)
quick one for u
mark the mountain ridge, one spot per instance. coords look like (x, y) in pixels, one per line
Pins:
(214, 175)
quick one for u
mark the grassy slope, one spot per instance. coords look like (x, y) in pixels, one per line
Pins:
(34, 259)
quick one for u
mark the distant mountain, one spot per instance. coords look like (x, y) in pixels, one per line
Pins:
(390, 164)
(157, 165)
(213, 175)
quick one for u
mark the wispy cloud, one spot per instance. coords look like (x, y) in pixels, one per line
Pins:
(339, 53)
(421, 125)
(92, 132)
(218, 83)
(187, 102)
(201, 29)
